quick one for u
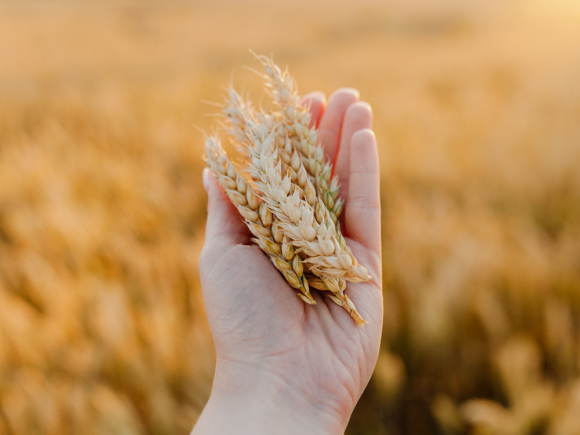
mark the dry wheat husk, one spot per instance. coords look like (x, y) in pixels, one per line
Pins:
(260, 140)
(303, 218)
(258, 218)
(294, 185)
(296, 122)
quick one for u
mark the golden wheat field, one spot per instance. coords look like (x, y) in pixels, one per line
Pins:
(102, 212)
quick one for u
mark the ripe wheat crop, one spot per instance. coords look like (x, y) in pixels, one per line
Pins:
(291, 203)
(476, 107)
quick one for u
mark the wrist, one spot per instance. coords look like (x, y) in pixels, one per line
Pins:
(256, 400)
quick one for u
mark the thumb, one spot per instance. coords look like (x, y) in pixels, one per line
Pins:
(224, 223)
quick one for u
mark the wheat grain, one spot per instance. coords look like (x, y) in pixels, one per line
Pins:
(325, 255)
(297, 218)
(257, 216)
(325, 249)
(254, 125)
(296, 122)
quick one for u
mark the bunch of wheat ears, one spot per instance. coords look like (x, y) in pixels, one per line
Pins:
(290, 200)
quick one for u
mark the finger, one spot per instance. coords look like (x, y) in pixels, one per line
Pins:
(331, 121)
(363, 209)
(224, 223)
(316, 101)
(358, 116)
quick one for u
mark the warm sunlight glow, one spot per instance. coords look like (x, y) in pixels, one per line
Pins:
(102, 211)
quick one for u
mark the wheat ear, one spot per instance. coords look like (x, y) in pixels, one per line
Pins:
(261, 144)
(259, 136)
(296, 121)
(258, 218)
(303, 220)
(238, 110)
(326, 256)
(266, 139)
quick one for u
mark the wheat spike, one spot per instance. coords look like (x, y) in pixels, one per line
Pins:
(325, 249)
(326, 256)
(296, 121)
(235, 110)
(238, 111)
(257, 216)
(260, 139)
(297, 223)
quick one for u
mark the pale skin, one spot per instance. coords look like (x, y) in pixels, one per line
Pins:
(284, 367)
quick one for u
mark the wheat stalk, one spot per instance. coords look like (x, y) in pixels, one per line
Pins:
(258, 218)
(238, 111)
(259, 139)
(303, 219)
(296, 121)
(295, 188)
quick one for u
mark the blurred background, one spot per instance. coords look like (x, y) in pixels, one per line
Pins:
(102, 213)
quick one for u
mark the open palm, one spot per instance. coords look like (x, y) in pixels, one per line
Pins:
(266, 338)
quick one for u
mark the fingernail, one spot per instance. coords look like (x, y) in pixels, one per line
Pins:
(364, 105)
(360, 113)
(205, 178)
(313, 95)
(363, 135)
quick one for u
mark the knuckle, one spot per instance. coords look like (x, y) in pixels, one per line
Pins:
(365, 202)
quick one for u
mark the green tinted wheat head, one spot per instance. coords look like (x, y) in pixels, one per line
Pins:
(291, 204)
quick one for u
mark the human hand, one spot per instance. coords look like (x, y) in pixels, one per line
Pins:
(283, 366)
